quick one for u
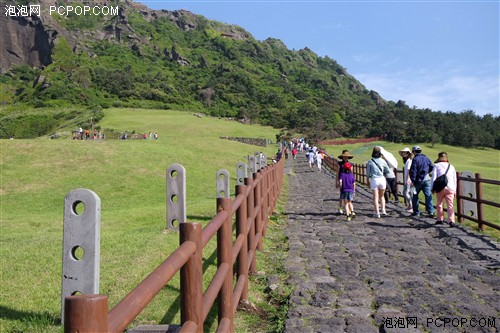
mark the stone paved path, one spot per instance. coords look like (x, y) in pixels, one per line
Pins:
(395, 274)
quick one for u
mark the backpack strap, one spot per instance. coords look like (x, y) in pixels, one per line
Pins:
(377, 165)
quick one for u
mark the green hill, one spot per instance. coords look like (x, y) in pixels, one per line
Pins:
(144, 58)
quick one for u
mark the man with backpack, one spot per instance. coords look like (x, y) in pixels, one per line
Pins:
(420, 170)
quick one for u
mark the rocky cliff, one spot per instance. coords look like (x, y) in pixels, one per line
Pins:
(25, 40)
(30, 39)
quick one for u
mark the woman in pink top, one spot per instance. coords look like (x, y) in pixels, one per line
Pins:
(449, 192)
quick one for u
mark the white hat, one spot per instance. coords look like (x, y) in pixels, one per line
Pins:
(405, 150)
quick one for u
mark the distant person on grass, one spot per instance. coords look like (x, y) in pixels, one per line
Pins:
(420, 170)
(347, 190)
(442, 166)
(376, 169)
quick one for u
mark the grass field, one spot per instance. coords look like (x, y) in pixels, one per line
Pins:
(486, 162)
(129, 177)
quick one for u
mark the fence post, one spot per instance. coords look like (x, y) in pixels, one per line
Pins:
(241, 173)
(176, 196)
(468, 189)
(251, 220)
(86, 314)
(81, 244)
(241, 229)
(252, 164)
(479, 198)
(460, 202)
(266, 204)
(258, 203)
(225, 247)
(191, 275)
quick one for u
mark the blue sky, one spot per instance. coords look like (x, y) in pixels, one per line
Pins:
(442, 55)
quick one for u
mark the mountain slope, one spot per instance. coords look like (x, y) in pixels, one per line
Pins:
(146, 58)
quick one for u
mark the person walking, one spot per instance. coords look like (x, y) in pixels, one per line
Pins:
(343, 158)
(310, 158)
(392, 184)
(420, 170)
(443, 167)
(347, 190)
(319, 159)
(407, 188)
(376, 169)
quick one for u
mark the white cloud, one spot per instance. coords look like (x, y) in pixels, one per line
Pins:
(449, 90)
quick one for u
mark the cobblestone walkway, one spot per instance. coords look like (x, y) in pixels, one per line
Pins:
(395, 274)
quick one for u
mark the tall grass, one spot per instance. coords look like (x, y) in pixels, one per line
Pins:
(129, 177)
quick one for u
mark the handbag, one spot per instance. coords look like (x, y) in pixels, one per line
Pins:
(440, 182)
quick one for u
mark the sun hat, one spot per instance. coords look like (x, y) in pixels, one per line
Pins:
(346, 153)
(405, 150)
(442, 157)
(416, 149)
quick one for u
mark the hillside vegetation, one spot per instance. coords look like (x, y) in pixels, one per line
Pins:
(179, 60)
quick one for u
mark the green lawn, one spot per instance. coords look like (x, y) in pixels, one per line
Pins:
(129, 177)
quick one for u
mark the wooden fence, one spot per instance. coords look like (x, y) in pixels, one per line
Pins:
(470, 199)
(255, 199)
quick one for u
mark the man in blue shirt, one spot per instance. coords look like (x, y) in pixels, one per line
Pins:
(420, 169)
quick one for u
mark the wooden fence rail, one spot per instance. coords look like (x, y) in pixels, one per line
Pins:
(470, 199)
(255, 199)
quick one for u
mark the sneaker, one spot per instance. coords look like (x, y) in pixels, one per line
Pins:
(378, 215)
(384, 213)
(415, 214)
(439, 222)
(353, 214)
(340, 211)
(430, 215)
(348, 218)
(452, 224)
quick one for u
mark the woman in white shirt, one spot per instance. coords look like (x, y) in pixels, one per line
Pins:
(448, 194)
(407, 190)
(376, 169)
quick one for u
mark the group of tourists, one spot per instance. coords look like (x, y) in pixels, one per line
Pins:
(80, 134)
(419, 175)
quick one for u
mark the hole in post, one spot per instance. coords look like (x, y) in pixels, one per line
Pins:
(174, 198)
(77, 253)
(240, 180)
(174, 174)
(222, 176)
(222, 194)
(175, 223)
(470, 195)
(471, 213)
(76, 293)
(78, 207)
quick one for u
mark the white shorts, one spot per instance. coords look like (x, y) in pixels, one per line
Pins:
(378, 183)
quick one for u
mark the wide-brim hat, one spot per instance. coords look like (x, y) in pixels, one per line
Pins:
(346, 154)
(405, 150)
(442, 157)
